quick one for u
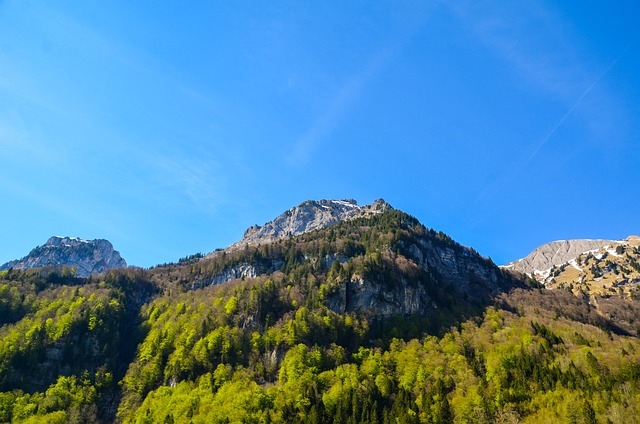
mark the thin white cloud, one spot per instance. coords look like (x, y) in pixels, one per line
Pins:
(177, 178)
(409, 21)
(338, 108)
(529, 155)
(542, 50)
(532, 40)
(194, 178)
(573, 107)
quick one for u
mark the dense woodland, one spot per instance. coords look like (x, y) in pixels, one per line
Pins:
(162, 345)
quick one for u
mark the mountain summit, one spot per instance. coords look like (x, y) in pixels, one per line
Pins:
(88, 256)
(308, 216)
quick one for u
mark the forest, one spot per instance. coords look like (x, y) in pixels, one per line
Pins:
(161, 345)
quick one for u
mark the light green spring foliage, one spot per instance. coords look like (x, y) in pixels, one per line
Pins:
(506, 368)
(270, 350)
(61, 344)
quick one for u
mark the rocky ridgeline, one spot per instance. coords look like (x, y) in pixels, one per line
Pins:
(555, 253)
(88, 256)
(308, 216)
(599, 268)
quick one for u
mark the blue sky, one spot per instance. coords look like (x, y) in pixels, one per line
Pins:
(170, 127)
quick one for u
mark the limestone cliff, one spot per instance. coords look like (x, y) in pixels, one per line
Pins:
(88, 256)
(308, 216)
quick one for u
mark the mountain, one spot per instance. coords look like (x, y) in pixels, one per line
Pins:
(88, 256)
(370, 318)
(308, 216)
(555, 253)
(595, 267)
(432, 263)
(423, 264)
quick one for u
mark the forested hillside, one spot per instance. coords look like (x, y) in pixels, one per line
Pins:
(377, 320)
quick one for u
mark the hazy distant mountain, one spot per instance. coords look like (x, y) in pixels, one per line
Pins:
(88, 256)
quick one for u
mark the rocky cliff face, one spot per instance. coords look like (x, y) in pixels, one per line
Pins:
(373, 297)
(308, 216)
(88, 256)
(427, 271)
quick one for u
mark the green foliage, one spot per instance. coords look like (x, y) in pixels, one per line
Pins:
(166, 346)
(71, 335)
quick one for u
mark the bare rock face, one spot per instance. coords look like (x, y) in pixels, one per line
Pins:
(88, 256)
(555, 253)
(308, 216)
(373, 297)
(427, 267)
(240, 271)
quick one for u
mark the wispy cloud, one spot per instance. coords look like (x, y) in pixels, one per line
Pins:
(338, 108)
(536, 148)
(191, 175)
(541, 49)
(197, 180)
(529, 154)
(532, 40)
(410, 20)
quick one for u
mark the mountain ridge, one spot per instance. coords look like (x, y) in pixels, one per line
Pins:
(593, 268)
(305, 217)
(87, 256)
(555, 253)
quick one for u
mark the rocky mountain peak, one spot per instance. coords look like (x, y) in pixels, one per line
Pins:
(88, 256)
(308, 216)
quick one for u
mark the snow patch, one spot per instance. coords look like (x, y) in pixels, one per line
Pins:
(343, 203)
(544, 274)
(574, 264)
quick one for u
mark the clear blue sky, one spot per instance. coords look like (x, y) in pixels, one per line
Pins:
(170, 127)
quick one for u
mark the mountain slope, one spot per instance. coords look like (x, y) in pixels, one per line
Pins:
(590, 266)
(87, 256)
(600, 270)
(365, 247)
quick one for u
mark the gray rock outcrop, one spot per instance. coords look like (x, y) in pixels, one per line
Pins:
(555, 253)
(448, 265)
(308, 216)
(88, 256)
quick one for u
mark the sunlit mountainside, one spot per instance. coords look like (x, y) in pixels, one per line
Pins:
(330, 313)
